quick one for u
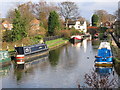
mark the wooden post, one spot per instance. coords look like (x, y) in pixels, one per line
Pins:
(7, 48)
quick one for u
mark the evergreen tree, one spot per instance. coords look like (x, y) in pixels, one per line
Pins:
(95, 20)
(53, 23)
(19, 27)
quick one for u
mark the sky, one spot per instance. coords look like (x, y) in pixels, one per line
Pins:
(86, 7)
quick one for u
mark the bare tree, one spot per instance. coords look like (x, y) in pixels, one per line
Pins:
(42, 10)
(68, 10)
(111, 18)
(43, 7)
(102, 14)
(95, 80)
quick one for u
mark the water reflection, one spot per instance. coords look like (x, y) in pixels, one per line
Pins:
(54, 56)
(62, 68)
(85, 45)
(103, 71)
(36, 61)
(29, 66)
(4, 70)
(77, 45)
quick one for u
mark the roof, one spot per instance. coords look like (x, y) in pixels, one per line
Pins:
(35, 21)
(92, 27)
(71, 22)
(74, 22)
(104, 45)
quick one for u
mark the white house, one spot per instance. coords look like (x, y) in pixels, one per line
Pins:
(78, 25)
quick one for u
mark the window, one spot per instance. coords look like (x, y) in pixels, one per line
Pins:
(1, 57)
(5, 55)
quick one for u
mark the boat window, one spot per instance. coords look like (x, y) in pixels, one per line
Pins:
(1, 56)
(5, 55)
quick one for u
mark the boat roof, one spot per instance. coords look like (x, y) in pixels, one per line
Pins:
(104, 45)
(40, 44)
(78, 36)
(3, 51)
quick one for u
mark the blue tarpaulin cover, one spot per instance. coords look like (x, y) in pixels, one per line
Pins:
(104, 55)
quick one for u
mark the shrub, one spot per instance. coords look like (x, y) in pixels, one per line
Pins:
(75, 32)
(65, 33)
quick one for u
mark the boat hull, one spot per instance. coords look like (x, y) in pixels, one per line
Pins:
(30, 53)
(31, 57)
(104, 64)
(76, 40)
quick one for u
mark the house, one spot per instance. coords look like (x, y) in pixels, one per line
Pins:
(6, 25)
(78, 25)
(35, 25)
(107, 24)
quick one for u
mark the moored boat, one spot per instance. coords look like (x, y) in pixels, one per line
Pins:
(29, 53)
(96, 35)
(4, 59)
(104, 57)
(76, 38)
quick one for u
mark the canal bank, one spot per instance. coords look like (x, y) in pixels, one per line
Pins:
(116, 52)
(53, 44)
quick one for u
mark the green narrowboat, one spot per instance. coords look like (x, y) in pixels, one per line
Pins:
(4, 58)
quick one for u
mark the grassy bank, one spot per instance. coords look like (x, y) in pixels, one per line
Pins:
(116, 52)
(52, 44)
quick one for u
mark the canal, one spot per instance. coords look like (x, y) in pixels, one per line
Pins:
(64, 67)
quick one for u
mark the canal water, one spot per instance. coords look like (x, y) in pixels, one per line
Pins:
(64, 67)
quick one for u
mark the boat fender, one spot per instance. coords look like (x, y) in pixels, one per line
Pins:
(20, 59)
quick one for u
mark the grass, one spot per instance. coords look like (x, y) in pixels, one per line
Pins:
(52, 41)
(116, 55)
(56, 42)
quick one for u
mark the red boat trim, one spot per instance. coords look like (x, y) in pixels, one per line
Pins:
(19, 57)
(77, 38)
(20, 60)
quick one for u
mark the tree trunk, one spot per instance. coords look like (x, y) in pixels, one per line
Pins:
(66, 23)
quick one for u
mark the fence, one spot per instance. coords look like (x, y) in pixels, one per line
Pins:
(51, 38)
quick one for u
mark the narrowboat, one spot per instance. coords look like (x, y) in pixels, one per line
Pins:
(104, 57)
(5, 59)
(96, 35)
(76, 38)
(29, 53)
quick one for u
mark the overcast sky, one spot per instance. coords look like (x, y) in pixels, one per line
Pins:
(87, 7)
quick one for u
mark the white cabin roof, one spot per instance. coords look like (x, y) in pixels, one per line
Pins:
(104, 45)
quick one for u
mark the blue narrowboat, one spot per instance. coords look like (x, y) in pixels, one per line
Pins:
(104, 57)
(29, 53)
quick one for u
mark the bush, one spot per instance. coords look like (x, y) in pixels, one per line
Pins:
(65, 33)
(75, 32)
